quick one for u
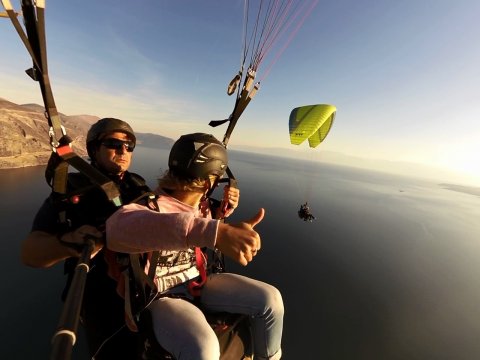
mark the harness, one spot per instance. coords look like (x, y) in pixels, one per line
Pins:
(136, 285)
(135, 273)
(82, 204)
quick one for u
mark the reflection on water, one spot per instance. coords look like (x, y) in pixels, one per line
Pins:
(388, 270)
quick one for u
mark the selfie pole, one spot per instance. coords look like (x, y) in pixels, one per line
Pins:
(65, 336)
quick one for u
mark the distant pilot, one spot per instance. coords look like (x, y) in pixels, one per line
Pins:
(305, 214)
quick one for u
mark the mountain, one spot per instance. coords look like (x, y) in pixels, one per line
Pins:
(154, 141)
(24, 135)
(24, 142)
(24, 129)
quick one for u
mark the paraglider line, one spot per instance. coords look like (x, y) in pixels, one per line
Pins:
(290, 38)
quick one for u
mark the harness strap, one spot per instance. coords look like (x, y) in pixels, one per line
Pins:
(34, 20)
(195, 287)
(16, 24)
(34, 39)
(57, 173)
(140, 286)
(153, 266)
(129, 318)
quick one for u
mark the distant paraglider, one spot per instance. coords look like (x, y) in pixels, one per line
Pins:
(312, 123)
(305, 214)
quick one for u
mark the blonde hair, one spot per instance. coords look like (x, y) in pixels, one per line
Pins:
(170, 181)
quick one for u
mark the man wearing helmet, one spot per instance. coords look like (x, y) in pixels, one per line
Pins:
(110, 144)
(118, 141)
(196, 161)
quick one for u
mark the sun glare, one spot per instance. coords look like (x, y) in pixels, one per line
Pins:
(463, 159)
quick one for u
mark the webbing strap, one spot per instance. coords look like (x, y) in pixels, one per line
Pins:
(57, 169)
(143, 287)
(130, 320)
(248, 92)
(18, 27)
(195, 287)
(153, 264)
(142, 280)
(59, 176)
(34, 19)
(34, 39)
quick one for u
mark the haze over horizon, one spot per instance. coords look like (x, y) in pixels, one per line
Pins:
(409, 169)
(403, 75)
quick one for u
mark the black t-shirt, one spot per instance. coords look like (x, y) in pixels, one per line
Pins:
(103, 308)
(92, 206)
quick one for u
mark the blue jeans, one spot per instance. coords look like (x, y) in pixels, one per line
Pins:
(181, 328)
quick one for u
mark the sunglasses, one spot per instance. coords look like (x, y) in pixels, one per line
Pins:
(117, 144)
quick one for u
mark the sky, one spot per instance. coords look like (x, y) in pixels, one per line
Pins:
(404, 75)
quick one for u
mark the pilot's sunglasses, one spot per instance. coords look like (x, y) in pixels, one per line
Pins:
(117, 144)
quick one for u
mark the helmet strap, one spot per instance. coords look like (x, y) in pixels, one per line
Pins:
(207, 190)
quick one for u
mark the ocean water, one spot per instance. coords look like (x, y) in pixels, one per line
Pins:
(388, 270)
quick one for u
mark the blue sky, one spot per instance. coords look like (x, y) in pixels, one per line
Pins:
(404, 75)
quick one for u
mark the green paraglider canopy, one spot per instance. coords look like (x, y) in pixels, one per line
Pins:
(312, 122)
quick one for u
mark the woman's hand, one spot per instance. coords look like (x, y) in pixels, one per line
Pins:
(240, 241)
(231, 198)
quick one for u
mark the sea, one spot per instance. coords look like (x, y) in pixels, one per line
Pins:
(389, 269)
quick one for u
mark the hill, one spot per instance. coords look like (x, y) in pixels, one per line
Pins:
(24, 140)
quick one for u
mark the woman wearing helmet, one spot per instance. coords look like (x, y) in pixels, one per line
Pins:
(196, 161)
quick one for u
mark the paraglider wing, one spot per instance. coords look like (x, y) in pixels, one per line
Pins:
(321, 133)
(312, 122)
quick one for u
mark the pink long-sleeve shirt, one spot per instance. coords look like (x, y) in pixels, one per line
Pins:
(136, 228)
(174, 232)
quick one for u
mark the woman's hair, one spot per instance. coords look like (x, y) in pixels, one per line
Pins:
(170, 181)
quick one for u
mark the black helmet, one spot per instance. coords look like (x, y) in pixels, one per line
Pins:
(103, 127)
(196, 156)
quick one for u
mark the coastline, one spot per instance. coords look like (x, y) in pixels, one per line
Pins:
(24, 160)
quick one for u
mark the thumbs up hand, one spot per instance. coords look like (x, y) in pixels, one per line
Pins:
(239, 241)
